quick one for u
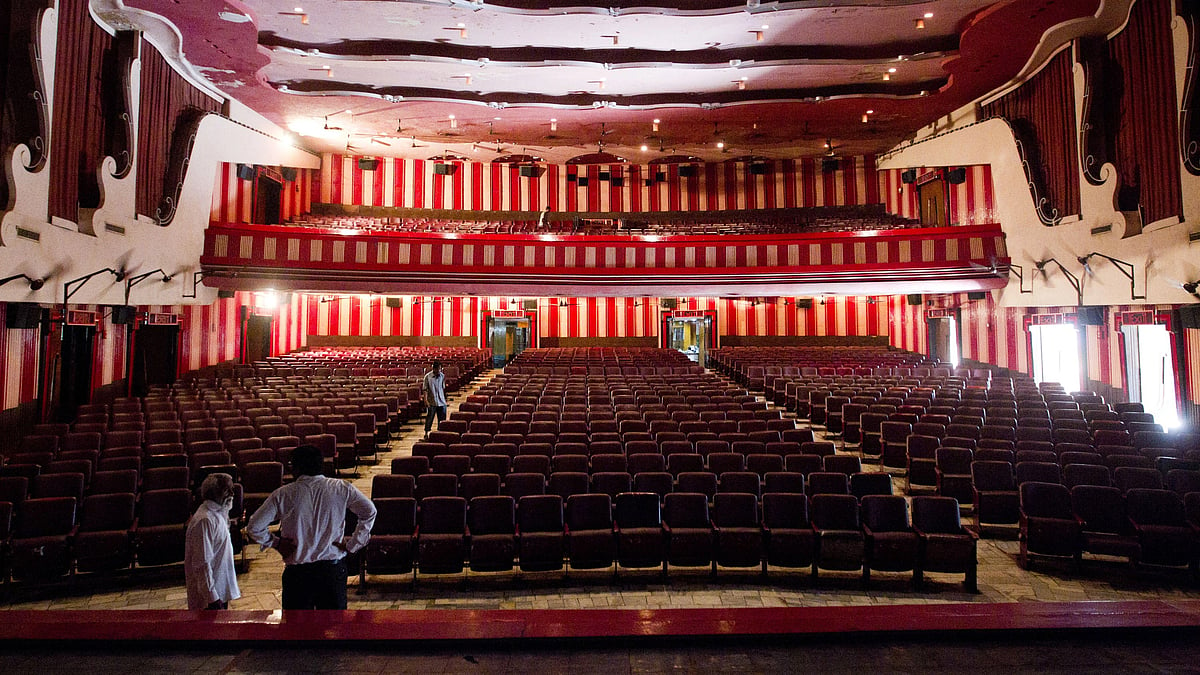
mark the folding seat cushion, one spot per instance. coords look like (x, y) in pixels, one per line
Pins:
(40, 547)
(639, 533)
(738, 533)
(946, 546)
(491, 526)
(158, 536)
(688, 529)
(891, 543)
(103, 541)
(1048, 525)
(1104, 523)
(518, 485)
(441, 534)
(840, 539)
(1162, 528)
(995, 493)
(591, 542)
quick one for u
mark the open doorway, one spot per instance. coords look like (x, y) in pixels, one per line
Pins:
(507, 338)
(258, 338)
(155, 358)
(690, 335)
(74, 370)
(1056, 354)
(1149, 375)
(945, 340)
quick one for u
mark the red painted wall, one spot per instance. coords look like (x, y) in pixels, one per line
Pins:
(969, 203)
(233, 197)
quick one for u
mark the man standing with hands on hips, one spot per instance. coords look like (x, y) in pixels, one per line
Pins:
(433, 388)
(312, 515)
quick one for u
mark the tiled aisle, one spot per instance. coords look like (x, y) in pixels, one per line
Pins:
(1000, 580)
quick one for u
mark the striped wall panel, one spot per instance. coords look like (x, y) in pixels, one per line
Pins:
(1192, 359)
(233, 197)
(18, 383)
(478, 186)
(970, 203)
(208, 334)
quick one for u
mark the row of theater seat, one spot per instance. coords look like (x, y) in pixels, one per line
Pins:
(539, 533)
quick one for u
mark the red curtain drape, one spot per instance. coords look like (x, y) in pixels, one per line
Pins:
(1147, 136)
(1045, 106)
(166, 97)
(80, 110)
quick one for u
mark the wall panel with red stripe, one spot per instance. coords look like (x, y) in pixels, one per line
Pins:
(208, 334)
(18, 383)
(233, 197)
(498, 187)
(969, 203)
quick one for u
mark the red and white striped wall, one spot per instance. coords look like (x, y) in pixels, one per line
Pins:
(21, 362)
(233, 197)
(208, 334)
(480, 186)
(970, 203)
(1192, 363)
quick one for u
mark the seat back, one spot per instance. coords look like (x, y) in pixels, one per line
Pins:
(589, 512)
(936, 515)
(540, 513)
(488, 515)
(885, 513)
(1046, 500)
(638, 509)
(835, 512)
(443, 515)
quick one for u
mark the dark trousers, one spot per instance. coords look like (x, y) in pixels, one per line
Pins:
(318, 585)
(440, 411)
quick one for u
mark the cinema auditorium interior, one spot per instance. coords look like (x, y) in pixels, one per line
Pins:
(852, 335)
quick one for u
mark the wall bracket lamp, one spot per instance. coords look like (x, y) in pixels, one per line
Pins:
(1126, 268)
(135, 280)
(34, 284)
(1074, 280)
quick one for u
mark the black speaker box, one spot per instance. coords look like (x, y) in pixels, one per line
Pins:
(915, 299)
(909, 176)
(571, 178)
(288, 173)
(123, 315)
(804, 303)
(368, 164)
(829, 165)
(669, 303)
(956, 176)
(660, 176)
(531, 171)
(604, 175)
(977, 295)
(758, 169)
(22, 315)
(445, 169)
(225, 295)
(245, 171)
(648, 182)
(530, 305)
(618, 182)
(392, 303)
(689, 171)
(582, 181)
(1091, 316)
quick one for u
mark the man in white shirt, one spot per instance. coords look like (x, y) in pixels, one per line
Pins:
(312, 519)
(434, 390)
(208, 569)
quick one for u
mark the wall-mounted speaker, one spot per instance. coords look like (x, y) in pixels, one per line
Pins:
(689, 171)
(440, 169)
(582, 181)
(245, 171)
(123, 315)
(288, 173)
(956, 176)
(531, 171)
(759, 169)
(604, 175)
(392, 303)
(829, 165)
(669, 303)
(909, 176)
(804, 303)
(530, 305)
(915, 299)
(571, 178)
(1091, 316)
(225, 294)
(977, 295)
(648, 182)
(368, 164)
(618, 182)
(22, 315)
(660, 176)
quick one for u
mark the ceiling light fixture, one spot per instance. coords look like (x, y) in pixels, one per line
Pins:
(461, 28)
(928, 15)
(297, 12)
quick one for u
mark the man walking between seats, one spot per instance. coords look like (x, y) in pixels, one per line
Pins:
(312, 541)
(433, 388)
